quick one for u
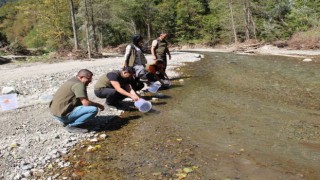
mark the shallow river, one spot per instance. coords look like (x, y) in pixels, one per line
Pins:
(264, 107)
(228, 117)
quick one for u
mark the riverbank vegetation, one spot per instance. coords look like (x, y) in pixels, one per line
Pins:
(91, 25)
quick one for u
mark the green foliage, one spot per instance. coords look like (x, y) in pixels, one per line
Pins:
(165, 18)
(3, 40)
(211, 29)
(303, 16)
(33, 40)
(188, 20)
(47, 23)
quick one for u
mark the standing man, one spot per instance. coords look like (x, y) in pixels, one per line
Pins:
(159, 48)
(115, 86)
(71, 105)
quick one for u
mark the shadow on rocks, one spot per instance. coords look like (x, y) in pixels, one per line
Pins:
(108, 123)
(181, 77)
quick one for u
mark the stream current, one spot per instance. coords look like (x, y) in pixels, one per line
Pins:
(263, 107)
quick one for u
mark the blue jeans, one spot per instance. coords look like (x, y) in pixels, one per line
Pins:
(79, 115)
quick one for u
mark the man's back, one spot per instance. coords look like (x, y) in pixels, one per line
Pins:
(67, 97)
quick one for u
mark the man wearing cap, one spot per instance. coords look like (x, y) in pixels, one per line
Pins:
(159, 49)
(115, 86)
(71, 105)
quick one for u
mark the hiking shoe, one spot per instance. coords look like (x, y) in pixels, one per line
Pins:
(74, 129)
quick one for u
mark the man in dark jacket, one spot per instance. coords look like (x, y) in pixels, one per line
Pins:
(115, 86)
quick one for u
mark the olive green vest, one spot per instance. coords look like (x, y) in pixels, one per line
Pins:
(161, 47)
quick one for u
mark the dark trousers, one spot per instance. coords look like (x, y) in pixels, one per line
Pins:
(137, 84)
(111, 95)
(151, 77)
(164, 59)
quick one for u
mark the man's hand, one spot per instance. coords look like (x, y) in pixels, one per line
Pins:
(135, 97)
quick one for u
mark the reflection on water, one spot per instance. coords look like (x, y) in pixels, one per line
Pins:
(266, 105)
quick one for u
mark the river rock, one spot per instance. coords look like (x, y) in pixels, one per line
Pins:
(307, 60)
(9, 90)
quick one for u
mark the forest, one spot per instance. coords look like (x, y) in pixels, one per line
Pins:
(55, 25)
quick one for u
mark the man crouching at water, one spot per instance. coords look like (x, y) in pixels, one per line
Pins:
(115, 86)
(71, 105)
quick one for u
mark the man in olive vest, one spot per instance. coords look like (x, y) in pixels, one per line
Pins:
(159, 48)
(71, 104)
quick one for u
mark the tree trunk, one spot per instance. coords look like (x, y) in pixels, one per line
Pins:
(95, 41)
(246, 19)
(149, 29)
(75, 37)
(253, 25)
(101, 40)
(87, 30)
(232, 21)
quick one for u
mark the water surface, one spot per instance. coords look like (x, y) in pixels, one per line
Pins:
(264, 110)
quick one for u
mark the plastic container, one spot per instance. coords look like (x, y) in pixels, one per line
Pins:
(143, 105)
(8, 102)
(167, 82)
(154, 87)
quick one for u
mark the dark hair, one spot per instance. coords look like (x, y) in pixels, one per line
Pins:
(136, 39)
(84, 72)
(128, 69)
(162, 32)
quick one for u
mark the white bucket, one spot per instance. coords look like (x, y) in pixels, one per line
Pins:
(8, 102)
(153, 88)
(143, 105)
(167, 82)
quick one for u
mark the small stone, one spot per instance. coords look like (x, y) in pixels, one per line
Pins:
(9, 90)
(18, 176)
(159, 95)
(27, 174)
(103, 136)
(197, 55)
(37, 172)
(27, 167)
(307, 60)
(14, 145)
(67, 164)
(93, 140)
(155, 99)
